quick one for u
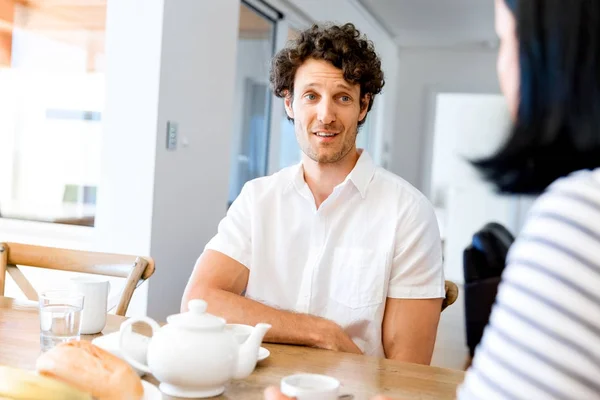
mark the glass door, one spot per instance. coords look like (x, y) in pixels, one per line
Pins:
(252, 113)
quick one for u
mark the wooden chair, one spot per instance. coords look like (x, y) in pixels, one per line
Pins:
(133, 268)
(451, 294)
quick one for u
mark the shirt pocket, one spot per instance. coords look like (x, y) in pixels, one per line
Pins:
(358, 277)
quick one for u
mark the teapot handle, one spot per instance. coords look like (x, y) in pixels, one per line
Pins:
(125, 329)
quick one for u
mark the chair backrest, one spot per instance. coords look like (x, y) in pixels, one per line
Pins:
(485, 257)
(135, 269)
(483, 263)
(451, 294)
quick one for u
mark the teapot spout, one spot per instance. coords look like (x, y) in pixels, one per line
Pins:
(248, 353)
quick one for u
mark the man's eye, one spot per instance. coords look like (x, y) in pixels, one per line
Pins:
(345, 99)
(310, 96)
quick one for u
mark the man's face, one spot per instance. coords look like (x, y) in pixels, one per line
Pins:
(326, 110)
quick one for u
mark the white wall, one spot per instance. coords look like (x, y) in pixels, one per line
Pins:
(191, 184)
(422, 73)
(126, 191)
(466, 127)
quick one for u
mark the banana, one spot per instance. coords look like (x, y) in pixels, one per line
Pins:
(18, 384)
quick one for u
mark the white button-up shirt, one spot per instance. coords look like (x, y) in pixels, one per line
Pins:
(374, 237)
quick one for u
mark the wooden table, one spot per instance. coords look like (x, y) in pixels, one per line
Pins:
(360, 375)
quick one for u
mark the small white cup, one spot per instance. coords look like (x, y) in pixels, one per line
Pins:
(240, 331)
(310, 387)
(95, 303)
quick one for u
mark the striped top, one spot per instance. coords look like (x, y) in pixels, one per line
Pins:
(543, 338)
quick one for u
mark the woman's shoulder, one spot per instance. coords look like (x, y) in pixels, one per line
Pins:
(542, 328)
(564, 220)
(579, 190)
(583, 179)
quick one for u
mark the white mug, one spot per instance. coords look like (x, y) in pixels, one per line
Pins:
(310, 387)
(95, 302)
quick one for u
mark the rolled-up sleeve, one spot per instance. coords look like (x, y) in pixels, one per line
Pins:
(233, 236)
(417, 270)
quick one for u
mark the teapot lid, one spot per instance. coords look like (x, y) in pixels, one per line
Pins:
(196, 317)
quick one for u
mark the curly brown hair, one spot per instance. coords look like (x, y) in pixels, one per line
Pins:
(343, 46)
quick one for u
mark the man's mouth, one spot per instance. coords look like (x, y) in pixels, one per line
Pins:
(325, 134)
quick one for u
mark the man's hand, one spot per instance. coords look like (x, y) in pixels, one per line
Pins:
(336, 339)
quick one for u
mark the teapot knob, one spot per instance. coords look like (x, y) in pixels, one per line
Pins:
(197, 306)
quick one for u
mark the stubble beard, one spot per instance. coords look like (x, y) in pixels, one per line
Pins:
(327, 158)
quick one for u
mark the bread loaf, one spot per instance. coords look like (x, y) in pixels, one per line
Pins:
(91, 369)
(19, 384)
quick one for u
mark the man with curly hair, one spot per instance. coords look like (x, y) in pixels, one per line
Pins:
(335, 252)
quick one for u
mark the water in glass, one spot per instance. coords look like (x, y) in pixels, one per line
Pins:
(60, 317)
(59, 323)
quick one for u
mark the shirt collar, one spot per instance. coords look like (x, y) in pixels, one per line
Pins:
(361, 175)
(296, 178)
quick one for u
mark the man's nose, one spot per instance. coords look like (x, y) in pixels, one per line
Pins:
(326, 112)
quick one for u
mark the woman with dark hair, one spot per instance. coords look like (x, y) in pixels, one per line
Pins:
(543, 338)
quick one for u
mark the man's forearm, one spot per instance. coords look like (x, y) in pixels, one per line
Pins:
(287, 327)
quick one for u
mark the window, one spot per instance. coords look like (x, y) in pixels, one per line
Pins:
(51, 103)
(289, 151)
(250, 148)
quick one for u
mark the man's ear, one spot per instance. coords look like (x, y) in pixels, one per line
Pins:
(288, 102)
(364, 106)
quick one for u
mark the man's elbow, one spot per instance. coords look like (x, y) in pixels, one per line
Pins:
(410, 357)
(195, 292)
(417, 353)
(391, 354)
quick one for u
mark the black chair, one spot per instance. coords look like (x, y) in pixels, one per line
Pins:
(483, 262)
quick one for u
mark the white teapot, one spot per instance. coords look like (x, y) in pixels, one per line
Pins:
(193, 355)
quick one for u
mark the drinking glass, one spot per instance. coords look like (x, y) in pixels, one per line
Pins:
(60, 317)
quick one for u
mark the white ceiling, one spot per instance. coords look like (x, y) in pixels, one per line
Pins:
(436, 22)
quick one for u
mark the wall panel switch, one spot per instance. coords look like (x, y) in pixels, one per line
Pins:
(172, 131)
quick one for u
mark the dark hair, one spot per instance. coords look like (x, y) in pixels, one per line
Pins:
(342, 46)
(558, 122)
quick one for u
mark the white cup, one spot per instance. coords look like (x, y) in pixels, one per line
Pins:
(310, 387)
(95, 302)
